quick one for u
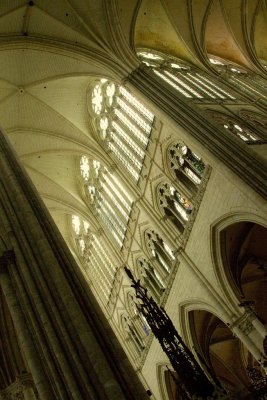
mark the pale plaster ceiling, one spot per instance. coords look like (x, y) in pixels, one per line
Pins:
(52, 51)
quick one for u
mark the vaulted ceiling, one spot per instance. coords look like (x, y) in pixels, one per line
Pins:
(51, 52)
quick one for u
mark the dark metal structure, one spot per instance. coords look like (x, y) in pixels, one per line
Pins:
(258, 383)
(191, 376)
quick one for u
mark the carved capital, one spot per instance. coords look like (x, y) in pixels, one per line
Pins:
(244, 323)
(16, 389)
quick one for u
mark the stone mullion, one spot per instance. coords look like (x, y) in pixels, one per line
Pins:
(133, 136)
(109, 260)
(101, 279)
(133, 139)
(102, 274)
(234, 155)
(61, 291)
(128, 159)
(116, 224)
(116, 199)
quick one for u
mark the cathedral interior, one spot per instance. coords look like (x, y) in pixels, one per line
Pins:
(133, 133)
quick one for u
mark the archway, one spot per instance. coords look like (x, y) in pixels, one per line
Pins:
(221, 353)
(244, 256)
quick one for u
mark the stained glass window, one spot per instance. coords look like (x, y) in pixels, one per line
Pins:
(190, 82)
(187, 166)
(236, 127)
(174, 205)
(124, 124)
(110, 200)
(94, 257)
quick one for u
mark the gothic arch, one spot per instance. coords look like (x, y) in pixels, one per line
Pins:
(184, 308)
(174, 205)
(237, 127)
(230, 289)
(221, 353)
(123, 32)
(185, 166)
(166, 379)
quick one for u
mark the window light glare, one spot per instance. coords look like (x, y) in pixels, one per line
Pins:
(76, 225)
(150, 56)
(85, 167)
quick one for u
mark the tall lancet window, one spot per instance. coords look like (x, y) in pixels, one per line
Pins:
(95, 258)
(137, 318)
(133, 336)
(111, 202)
(188, 81)
(150, 278)
(250, 83)
(124, 124)
(187, 166)
(176, 207)
(236, 127)
(162, 256)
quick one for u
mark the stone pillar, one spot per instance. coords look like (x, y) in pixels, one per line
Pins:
(244, 329)
(80, 355)
(185, 113)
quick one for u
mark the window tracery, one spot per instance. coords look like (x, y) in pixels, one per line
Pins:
(94, 256)
(108, 198)
(253, 118)
(175, 206)
(137, 317)
(186, 165)
(132, 334)
(150, 279)
(236, 127)
(124, 124)
(224, 65)
(188, 81)
(162, 256)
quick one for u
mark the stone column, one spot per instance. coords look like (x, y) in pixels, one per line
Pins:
(244, 329)
(80, 355)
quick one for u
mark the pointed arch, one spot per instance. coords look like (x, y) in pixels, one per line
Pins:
(221, 269)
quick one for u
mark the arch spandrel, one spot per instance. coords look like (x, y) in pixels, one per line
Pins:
(219, 38)
(259, 30)
(240, 17)
(156, 29)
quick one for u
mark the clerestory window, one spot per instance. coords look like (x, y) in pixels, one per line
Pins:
(124, 124)
(237, 127)
(190, 82)
(111, 202)
(94, 257)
